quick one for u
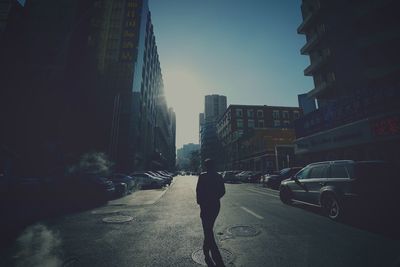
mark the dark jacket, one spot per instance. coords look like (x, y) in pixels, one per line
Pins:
(210, 188)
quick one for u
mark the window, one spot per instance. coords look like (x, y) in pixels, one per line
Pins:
(250, 113)
(239, 113)
(239, 123)
(296, 114)
(318, 172)
(338, 172)
(286, 123)
(285, 114)
(250, 123)
(260, 113)
(260, 124)
(277, 123)
(303, 174)
(275, 114)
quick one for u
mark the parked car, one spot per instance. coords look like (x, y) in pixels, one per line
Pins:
(254, 177)
(167, 179)
(274, 180)
(244, 175)
(95, 186)
(166, 174)
(344, 186)
(123, 178)
(121, 189)
(146, 180)
(229, 176)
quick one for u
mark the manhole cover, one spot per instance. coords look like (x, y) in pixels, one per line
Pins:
(227, 256)
(118, 219)
(103, 212)
(243, 230)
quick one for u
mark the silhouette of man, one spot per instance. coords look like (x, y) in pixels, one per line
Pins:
(210, 188)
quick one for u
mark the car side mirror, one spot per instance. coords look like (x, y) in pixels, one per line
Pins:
(294, 178)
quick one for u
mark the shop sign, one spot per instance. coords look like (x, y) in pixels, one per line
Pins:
(386, 127)
(344, 136)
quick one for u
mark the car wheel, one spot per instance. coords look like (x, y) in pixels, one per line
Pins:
(285, 195)
(331, 207)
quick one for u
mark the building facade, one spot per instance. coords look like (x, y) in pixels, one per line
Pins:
(184, 155)
(353, 47)
(253, 136)
(95, 72)
(214, 107)
(201, 123)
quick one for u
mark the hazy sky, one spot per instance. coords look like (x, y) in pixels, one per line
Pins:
(247, 50)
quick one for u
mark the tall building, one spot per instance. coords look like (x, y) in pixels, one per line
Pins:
(5, 9)
(91, 82)
(201, 123)
(214, 107)
(353, 49)
(252, 137)
(172, 146)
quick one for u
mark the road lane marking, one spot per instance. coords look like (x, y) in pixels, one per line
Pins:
(263, 193)
(252, 213)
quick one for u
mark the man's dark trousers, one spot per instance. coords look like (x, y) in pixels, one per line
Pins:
(208, 214)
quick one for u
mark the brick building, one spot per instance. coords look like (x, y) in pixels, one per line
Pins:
(252, 136)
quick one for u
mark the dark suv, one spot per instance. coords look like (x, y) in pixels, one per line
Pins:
(343, 186)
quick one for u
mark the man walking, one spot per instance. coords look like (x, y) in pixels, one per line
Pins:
(210, 188)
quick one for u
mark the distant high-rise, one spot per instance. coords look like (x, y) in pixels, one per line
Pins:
(184, 155)
(214, 108)
(201, 123)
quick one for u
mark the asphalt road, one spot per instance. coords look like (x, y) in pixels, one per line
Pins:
(253, 229)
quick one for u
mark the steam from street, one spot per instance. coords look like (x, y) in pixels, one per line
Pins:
(38, 246)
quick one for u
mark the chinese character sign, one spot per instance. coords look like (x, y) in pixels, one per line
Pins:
(129, 31)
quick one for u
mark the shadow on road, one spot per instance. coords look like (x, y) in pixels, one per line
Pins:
(383, 224)
(18, 213)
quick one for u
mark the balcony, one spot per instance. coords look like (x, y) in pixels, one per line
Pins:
(321, 89)
(308, 21)
(310, 44)
(315, 65)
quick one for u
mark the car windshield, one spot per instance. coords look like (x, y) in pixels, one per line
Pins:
(284, 171)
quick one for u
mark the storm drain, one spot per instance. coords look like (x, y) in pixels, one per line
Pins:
(117, 219)
(227, 256)
(243, 230)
